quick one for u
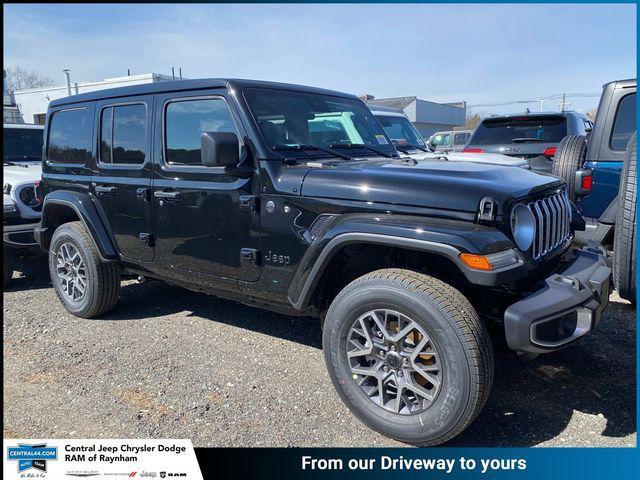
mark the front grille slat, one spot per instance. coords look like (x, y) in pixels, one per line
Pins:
(552, 226)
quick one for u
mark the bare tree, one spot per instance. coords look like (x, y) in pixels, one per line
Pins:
(19, 78)
(473, 121)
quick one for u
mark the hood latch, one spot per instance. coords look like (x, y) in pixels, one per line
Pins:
(487, 210)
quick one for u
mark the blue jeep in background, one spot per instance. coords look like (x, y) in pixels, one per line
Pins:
(600, 171)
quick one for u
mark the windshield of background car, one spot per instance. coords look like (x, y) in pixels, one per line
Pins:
(289, 118)
(400, 130)
(522, 129)
(22, 144)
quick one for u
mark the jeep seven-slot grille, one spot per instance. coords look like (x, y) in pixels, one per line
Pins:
(552, 223)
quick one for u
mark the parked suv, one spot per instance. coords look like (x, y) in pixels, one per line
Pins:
(407, 140)
(21, 209)
(531, 136)
(450, 141)
(601, 173)
(236, 188)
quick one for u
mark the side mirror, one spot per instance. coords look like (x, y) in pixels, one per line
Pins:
(219, 149)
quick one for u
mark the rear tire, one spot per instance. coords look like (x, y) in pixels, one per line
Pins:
(457, 347)
(570, 156)
(86, 286)
(624, 243)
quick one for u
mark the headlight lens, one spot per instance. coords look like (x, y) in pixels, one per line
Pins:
(28, 196)
(523, 226)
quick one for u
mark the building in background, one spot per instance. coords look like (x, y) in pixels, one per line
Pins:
(10, 111)
(33, 102)
(428, 117)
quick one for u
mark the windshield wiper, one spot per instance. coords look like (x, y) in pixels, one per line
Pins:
(302, 148)
(361, 145)
(407, 146)
(526, 139)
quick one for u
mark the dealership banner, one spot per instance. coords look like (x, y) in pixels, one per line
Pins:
(99, 459)
(169, 459)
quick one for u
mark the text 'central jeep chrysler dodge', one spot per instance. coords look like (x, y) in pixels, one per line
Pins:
(252, 191)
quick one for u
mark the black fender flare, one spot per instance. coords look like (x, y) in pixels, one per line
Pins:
(447, 238)
(88, 214)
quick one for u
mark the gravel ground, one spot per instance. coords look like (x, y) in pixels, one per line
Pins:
(175, 364)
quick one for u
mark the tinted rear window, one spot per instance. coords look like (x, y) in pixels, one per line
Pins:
(22, 143)
(520, 130)
(70, 136)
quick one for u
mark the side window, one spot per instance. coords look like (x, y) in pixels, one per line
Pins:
(624, 124)
(185, 120)
(441, 140)
(69, 136)
(460, 138)
(123, 134)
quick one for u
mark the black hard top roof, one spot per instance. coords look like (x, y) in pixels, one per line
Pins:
(182, 85)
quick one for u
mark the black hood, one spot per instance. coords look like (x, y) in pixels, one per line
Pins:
(433, 184)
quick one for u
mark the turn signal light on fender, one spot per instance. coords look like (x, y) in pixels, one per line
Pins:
(492, 261)
(477, 262)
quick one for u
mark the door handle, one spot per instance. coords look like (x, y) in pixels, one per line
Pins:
(105, 190)
(165, 195)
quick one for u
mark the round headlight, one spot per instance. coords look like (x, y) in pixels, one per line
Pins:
(28, 196)
(523, 226)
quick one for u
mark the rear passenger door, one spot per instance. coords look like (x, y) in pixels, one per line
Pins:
(121, 179)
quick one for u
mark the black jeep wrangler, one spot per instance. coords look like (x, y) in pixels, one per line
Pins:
(253, 191)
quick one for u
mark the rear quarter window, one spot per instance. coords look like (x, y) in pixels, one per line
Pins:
(70, 136)
(624, 124)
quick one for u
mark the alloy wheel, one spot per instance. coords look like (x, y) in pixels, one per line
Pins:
(71, 272)
(394, 361)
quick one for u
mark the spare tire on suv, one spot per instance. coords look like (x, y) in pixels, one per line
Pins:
(570, 155)
(624, 244)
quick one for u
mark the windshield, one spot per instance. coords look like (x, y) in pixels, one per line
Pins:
(289, 119)
(520, 130)
(22, 144)
(400, 130)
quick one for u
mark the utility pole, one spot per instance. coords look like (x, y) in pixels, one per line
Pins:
(563, 106)
(542, 100)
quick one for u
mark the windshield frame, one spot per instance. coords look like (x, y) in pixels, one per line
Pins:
(280, 154)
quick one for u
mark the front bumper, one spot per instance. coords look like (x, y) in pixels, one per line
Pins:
(19, 236)
(567, 307)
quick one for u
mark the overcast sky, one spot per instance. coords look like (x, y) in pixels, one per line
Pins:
(478, 53)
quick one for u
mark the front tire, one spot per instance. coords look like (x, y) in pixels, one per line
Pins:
(408, 355)
(86, 286)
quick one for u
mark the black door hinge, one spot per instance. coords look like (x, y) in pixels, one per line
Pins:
(249, 202)
(250, 256)
(146, 238)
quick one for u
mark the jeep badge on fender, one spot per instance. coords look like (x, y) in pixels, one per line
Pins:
(403, 261)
